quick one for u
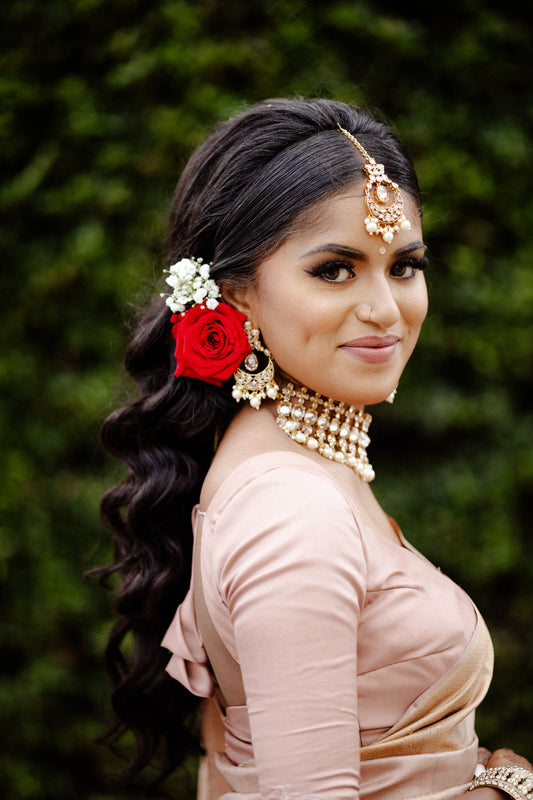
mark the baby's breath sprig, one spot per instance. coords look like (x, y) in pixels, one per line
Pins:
(191, 286)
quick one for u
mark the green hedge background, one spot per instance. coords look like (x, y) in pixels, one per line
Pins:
(101, 103)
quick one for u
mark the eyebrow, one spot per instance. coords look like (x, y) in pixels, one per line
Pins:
(360, 255)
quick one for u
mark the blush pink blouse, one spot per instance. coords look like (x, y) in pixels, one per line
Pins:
(337, 630)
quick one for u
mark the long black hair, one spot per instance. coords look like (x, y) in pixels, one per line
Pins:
(241, 195)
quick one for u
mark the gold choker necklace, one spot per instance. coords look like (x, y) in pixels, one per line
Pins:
(335, 430)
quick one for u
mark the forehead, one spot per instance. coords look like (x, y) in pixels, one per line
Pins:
(342, 216)
(321, 214)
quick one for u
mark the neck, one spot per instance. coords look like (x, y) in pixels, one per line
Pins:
(336, 431)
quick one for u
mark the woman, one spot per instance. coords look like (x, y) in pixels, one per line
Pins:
(339, 663)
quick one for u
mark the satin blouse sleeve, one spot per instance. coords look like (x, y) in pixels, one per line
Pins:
(290, 567)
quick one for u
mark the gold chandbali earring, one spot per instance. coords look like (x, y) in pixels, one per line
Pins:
(383, 198)
(254, 382)
(336, 431)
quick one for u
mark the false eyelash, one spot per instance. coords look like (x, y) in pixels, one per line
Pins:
(325, 267)
(417, 262)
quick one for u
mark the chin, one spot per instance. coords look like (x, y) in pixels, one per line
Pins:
(353, 395)
(378, 397)
(371, 397)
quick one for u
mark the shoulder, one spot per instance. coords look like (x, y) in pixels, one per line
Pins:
(255, 450)
(280, 476)
(282, 501)
(281, 520)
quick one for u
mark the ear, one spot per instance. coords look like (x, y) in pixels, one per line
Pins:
(239, 298)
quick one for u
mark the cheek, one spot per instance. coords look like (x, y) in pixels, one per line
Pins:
(423, 305)
(278, 314)
(416, 308)
(296, 324)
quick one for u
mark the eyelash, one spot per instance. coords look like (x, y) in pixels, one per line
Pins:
(325, 268)
(417, 263)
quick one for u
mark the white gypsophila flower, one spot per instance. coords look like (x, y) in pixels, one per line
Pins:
(191, 285)
(199, 295)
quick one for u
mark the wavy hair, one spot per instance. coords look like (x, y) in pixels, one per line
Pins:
(241, 195)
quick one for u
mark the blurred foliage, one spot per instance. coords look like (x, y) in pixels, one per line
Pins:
(101, 104)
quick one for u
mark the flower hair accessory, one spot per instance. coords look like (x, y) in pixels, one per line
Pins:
(191, 285)
(209, 335)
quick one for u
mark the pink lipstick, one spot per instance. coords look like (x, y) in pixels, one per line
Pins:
(372, 349)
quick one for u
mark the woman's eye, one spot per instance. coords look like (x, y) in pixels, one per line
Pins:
(333, 272)
(408, 268)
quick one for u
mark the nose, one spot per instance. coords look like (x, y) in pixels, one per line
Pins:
(377, 304)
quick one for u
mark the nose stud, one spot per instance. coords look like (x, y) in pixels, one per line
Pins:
(364, 312)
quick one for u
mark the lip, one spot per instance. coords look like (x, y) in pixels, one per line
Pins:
(372, 349)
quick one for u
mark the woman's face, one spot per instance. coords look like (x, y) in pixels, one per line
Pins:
(339, 310)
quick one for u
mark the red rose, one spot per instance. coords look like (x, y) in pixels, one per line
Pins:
(210, 344)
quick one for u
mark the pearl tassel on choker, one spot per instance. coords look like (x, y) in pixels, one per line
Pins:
(334, 430)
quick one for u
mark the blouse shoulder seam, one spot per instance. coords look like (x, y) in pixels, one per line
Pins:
(255, 472)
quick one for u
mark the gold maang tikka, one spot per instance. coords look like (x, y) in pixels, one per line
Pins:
(383, 198)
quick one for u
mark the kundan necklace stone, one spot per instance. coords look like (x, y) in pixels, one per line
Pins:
(334, 430)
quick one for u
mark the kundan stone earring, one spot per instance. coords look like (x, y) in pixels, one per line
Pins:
(254, 379)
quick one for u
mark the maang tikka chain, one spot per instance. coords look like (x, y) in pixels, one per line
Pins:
(384, 202)
(254, 383)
